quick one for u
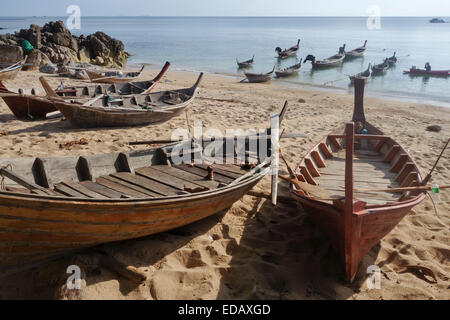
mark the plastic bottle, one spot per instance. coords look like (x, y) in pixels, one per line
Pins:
(435, 194)
(364, 142)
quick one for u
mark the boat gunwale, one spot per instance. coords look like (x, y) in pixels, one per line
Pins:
(119, 201)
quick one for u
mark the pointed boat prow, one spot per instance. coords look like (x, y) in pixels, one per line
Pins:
(346, 162)
(48, 90)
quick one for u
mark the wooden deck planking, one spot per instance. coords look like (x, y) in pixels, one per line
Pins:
(203, 173)
(146, 183)
(61, 188)
(103, 190)
(187, 176)
(231, 168)
(83, 190)
(165, 178)
(369, 172)
(218, 170)
(124, 189)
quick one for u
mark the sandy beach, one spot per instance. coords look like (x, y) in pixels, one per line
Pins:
(254, 250)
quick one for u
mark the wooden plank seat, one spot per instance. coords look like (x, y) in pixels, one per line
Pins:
(370, 172)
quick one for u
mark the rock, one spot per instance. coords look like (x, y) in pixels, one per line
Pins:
(9, 53)
(81, 75)
(35, 60)
(99, 48)
(84, 55)
(49, 68)
(62, 39)
(99, 61)
(301, 100)
(434, 128)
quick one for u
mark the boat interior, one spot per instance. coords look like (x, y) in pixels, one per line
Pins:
(115, 88)
(378, 163)
(159, 172)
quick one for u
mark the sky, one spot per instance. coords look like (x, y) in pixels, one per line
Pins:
(439, 8)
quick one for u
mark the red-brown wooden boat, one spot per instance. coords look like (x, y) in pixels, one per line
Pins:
(342, 176)
(426, 73)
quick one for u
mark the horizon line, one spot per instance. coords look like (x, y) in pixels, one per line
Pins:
(224, 16)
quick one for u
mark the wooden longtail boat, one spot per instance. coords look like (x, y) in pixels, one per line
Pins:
(113, 77)
(259, 77)
(392, 60)
(333, 61)
(12, 71)
(32, 107)
(289, 71)
(362, 75)
(282, 54)
(245, 64)
(52, 206)
(333, 172)
(380, 68)
(423, 72)
(356, 53)
(125, 111)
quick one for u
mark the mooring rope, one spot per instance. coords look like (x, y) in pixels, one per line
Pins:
(2, 183)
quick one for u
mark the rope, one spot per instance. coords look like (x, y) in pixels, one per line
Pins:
(28, 111)
(435, 209)
(2, 183)
(326, 83)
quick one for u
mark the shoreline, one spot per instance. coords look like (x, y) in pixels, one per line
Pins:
(391, 96)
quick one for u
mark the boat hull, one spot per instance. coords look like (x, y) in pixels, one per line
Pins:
(327, 65)
(421, 72)
(280, 74)
(11, 72)
(10, 75)
(29, 108)
(34, 228)
(372, 224)
(86, 117)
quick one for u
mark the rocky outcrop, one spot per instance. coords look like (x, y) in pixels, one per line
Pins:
(10, 53)
(54, 43)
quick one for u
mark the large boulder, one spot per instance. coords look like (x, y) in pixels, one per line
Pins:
(49, 68)
(9, 53)
(35, 60)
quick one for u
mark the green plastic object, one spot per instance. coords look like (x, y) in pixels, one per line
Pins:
(26, 46)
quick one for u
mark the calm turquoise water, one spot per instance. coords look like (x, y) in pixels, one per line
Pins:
(213, 44)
